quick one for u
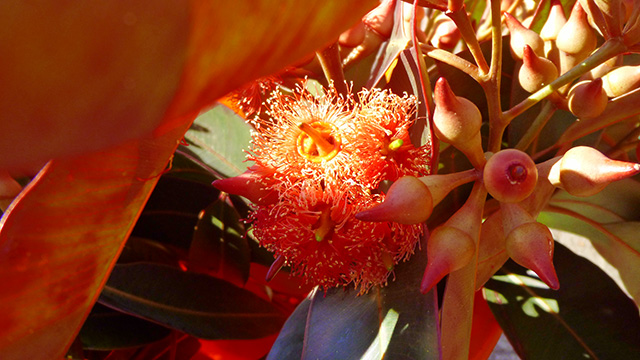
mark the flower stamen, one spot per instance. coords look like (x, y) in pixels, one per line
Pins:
(317, 141)
(324, 225)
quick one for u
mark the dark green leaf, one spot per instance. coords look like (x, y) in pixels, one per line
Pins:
(196, 304)
(218, 138)
(587, 318)
(107, 329)
(172, 210)
(188, 167)
(395, 322)
(139, 249)
(219, 245)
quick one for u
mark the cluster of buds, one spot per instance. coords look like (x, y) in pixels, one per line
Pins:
(510, 177)
(564, 43)
(319, 161)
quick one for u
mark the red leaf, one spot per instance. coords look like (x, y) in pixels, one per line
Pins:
(74, 75)
(60, 239)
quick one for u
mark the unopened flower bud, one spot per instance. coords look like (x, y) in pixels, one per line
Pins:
(510, 175)
(602, 69)
(408, 201)
(380, 19)
(453, 245)
(521, 36)
(529, 243)
(621, 80)
(448, 249)
(587, 99)
(585, 171)
(275, 267)
(555, 21)
(353, 37)
(377, 25)
(9, 189)
(577, 37)
(457, 121)
(442, 184)
(253, 184)
(446, 34)
(535, 71)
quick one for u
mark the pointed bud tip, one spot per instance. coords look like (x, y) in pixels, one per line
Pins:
(275, 267)
(432, 276)
(547, 273)
(408, 201)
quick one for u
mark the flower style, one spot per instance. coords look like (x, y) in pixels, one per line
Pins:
(325, 158)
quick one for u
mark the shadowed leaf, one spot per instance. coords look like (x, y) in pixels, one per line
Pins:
(219, 246)
(106, 329)
(197, 304)
(587, 318)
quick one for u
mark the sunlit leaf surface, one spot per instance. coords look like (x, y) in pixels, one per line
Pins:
(218, 138)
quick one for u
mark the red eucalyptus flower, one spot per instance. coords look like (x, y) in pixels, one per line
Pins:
(329, 154)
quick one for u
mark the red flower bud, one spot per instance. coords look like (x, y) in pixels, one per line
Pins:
(380, 19)
(587, 99)
(446, 34)
(457, 121)
(442, 184)
(621, 80)
(555, 21)
(510, 175)
(584, 171)
(353, 37)
(449, 249)
(521, 36)
(453, 245)
(408, 201)
(577, 37)
(536, 71)
(253, 184)
(529, 243)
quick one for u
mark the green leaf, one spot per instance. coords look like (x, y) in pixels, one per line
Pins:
(188, 167)
(218, 138)
(196, 304)
(172, 210)
(139, 249)
(587, 318)
(394, 322)
(219, 245)
(106, 329)
(595, 228)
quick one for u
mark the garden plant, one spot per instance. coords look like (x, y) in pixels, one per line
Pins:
(319, 179)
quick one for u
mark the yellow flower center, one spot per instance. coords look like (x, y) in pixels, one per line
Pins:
(318, 141)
